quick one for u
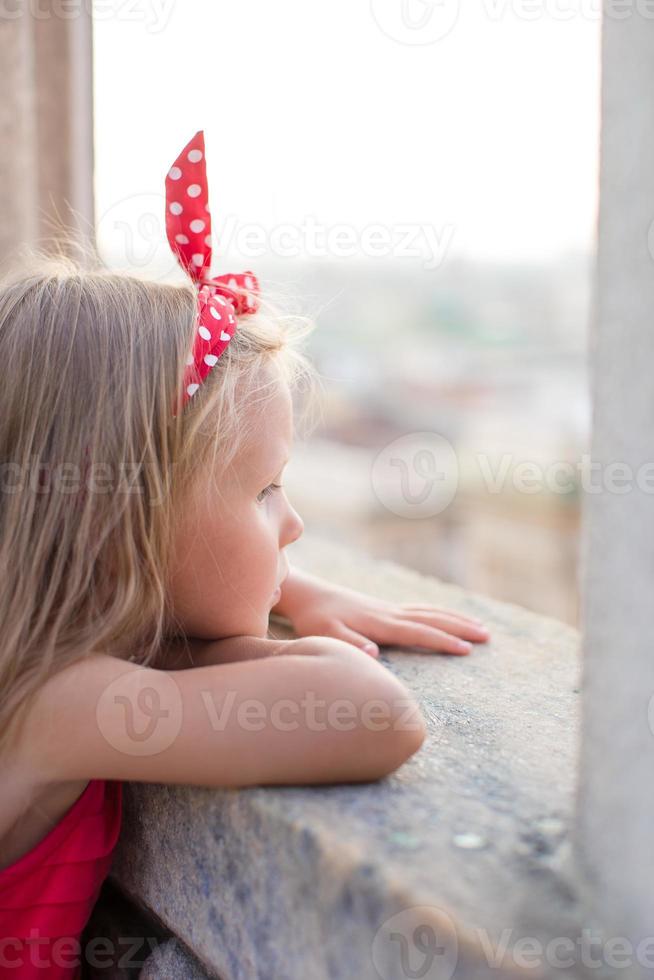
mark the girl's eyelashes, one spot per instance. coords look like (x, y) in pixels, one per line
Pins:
(269, 489)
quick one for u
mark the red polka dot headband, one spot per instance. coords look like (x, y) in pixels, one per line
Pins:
(188, 228)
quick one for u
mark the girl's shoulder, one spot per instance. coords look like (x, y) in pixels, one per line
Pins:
(61, 711)
(35, 793)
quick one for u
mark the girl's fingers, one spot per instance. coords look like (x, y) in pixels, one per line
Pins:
(356, 639)
(451, 623)
(416, 607)
(410, 633)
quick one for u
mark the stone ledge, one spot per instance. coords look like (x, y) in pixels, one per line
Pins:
(472, 832)
(170, 960)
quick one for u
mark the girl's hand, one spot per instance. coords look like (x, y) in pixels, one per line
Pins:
(317, 607)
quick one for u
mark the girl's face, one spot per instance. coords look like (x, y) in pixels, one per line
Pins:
(228, 556)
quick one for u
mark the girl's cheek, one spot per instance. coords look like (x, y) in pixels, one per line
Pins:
(275, 518)
(265, 519)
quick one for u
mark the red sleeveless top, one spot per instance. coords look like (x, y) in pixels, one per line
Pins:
(47, 895)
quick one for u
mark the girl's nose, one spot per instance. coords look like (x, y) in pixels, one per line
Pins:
(294, 526)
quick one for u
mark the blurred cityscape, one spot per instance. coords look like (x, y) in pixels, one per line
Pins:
(491, 358)
(471, 367)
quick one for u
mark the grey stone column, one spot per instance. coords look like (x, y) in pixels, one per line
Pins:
(46, 130)
(615, 822)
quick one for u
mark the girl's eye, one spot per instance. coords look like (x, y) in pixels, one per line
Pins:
(269, 489)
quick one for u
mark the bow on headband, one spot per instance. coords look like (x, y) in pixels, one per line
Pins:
(188, 229)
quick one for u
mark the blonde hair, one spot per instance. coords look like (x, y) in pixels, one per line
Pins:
(92, 360)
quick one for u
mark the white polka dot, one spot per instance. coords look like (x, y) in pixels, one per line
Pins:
(194, 156)
(197, 225)
(198, 259)
(225, 336)
(231, 319)
(204, 333)
(222, 300)
(191, 389)
(193, 190)
(174, 173)
(210, 359)
(207, 209)
(182, 239)
(207, 241)
(232, 283)
(248, 282)
(214, 312)
(176, 208)
(190, 359)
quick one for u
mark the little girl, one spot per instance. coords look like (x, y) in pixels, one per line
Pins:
(144, 429)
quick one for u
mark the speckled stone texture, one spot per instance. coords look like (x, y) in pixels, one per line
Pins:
(436, 871)
(170, 960)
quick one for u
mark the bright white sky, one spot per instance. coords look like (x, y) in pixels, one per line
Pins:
(332, 110)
